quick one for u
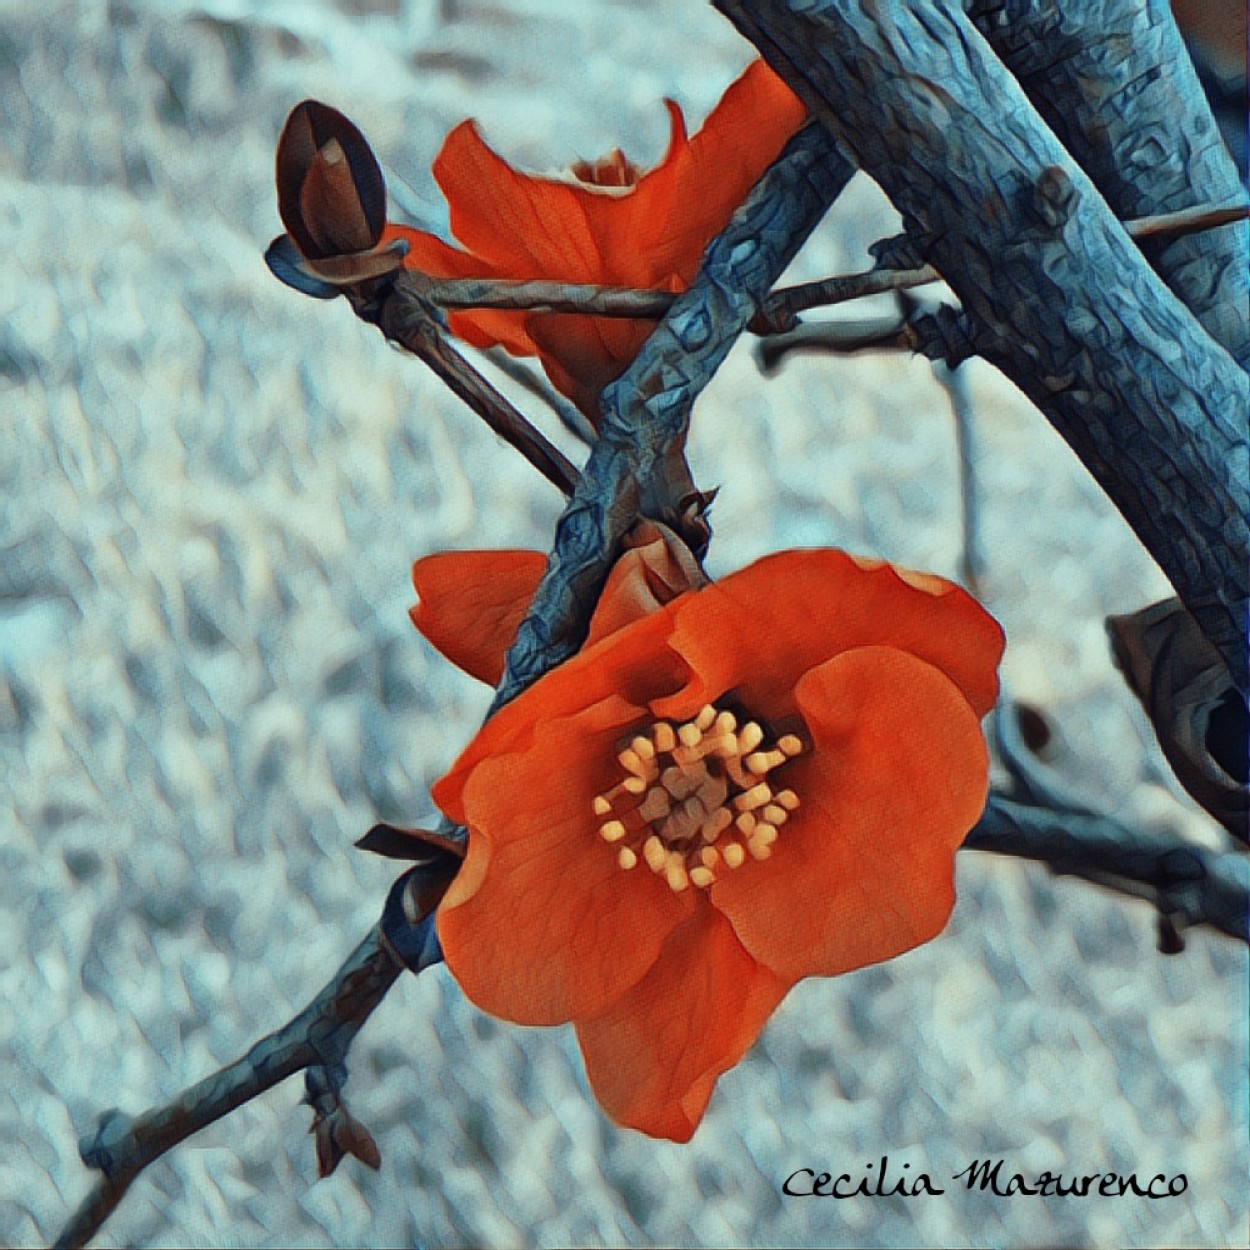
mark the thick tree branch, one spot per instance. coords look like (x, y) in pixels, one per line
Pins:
(1057, 295)
(1115, 83)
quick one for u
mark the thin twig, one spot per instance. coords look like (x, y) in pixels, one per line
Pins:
(971, 565)
(406, 317)
(834, 337)
(321, 1034)
(1198, 886)
(611, 301)
(573, 419)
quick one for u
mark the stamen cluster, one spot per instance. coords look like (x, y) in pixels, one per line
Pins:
(697, 797)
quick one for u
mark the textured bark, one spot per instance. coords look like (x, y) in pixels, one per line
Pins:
(1188, 884)
(1058, 297)
(637, 467)
(321, 1034)
(1114, 82)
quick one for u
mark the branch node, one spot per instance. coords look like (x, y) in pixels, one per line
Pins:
(1055, 197)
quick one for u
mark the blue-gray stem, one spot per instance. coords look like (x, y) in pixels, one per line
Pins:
(636, 468)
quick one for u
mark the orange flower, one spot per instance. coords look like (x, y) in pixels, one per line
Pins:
(762, 780)
(609, 223)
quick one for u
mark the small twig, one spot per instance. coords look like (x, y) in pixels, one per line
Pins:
(320, 1035)
(405, 316)
(570, 417)
(1188, 220)
(1186, 883)
(840, 337)
(971, 564)
(779, 307)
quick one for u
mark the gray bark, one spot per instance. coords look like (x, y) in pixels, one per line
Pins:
(1057, 295)
(1115, 83)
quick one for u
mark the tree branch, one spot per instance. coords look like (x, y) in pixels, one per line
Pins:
(1188, 884)
(122, 1147)
(404, 315)
(1057, 295)
(1115, 83)
(636, 467)
(779, 306)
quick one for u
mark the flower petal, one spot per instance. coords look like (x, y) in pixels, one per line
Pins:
(654, 1056)
(634, 664)
(542, 925)
(864, 870)
(471, 603)
(756, 630)
(741, 137)
(531, 226)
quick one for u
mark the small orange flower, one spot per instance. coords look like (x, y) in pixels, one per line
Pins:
(609, 224)
(762, 780)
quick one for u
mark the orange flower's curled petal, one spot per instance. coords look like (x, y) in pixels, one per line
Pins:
(623, 229)
(742, 136)
(897, 776)
(654, 569)
(654, 1056)
(471, 603)
(542, 926)
(634, 664)
(804, 606)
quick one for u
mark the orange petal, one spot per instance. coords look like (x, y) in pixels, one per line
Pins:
(756, 630)
(741, 137)
(864, 870)
(526, 226)
(542, 925)
(654, 569)
(581, 355)
(654, 1056)
(471, 603)
(634, 664)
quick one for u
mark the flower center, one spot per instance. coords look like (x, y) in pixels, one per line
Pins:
(697, 797)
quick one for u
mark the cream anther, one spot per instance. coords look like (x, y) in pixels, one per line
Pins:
(643, 747)
(631, 761)
(755, 797)
(676, 876)
(654, 853)
(763, 761)
(686, 793)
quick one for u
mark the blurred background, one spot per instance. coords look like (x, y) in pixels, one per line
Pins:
(213, 489)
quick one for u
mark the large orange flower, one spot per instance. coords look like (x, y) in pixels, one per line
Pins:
(762, 780)
(608, 223)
